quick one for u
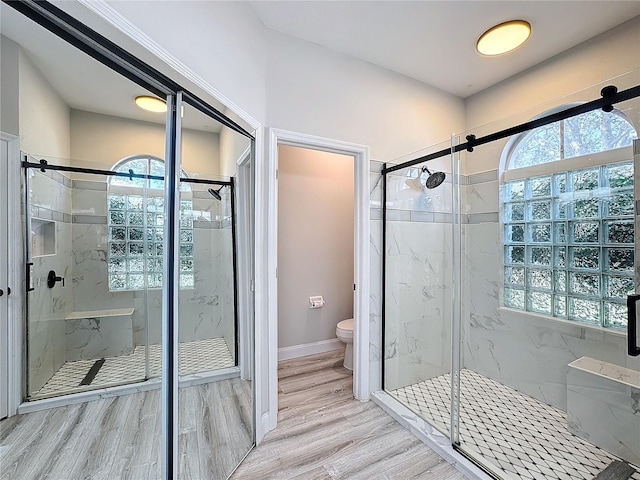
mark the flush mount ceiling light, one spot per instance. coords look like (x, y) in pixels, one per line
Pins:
(151, 104)
(503, 38)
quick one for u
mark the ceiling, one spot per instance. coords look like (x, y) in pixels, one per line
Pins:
(430, 41)
(434, 41)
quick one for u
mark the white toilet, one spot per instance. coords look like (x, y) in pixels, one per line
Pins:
(344, 331)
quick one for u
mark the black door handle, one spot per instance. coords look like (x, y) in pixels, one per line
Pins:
(30, 287)
(632, 326)
(1, 292)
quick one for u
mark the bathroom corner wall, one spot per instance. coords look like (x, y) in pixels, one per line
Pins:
(9, 88)
(44, 116)
(206, 311)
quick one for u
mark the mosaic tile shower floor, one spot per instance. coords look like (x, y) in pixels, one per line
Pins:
(193, 357)
(525, 438)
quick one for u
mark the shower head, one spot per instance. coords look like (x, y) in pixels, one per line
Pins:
(435, 179)
(414, 184)
(216, 193)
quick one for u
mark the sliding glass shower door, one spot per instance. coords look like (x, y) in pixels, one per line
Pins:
(418, 267)
(523, 296)
(546, 386)
(88, 273)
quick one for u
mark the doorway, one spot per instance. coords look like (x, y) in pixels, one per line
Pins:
(361, 259)
(315, 249)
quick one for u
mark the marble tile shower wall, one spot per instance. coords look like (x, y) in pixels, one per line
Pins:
(80, 256)
(375, 284)
(203, 310)
(49, 200)
(528, 352)
(419, 233)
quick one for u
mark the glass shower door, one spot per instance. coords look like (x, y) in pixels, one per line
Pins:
(85, 291)
(216, 398)
(546, 387)
(207, 285)
(418, 239)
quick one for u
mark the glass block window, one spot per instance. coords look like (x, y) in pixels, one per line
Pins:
(569, 228)
(135, 222)
(569, 244)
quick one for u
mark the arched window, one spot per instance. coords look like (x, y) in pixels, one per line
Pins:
(135, 212)
(567, 212)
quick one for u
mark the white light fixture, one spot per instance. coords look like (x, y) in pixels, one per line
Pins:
(503, 38)
(151, 104)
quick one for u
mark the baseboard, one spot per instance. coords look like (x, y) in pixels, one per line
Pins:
(305, 349)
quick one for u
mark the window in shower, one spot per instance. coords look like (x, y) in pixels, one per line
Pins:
(568, 220)
(135, 213)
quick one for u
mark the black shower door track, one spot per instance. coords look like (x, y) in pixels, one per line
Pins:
(610, 96)
(110, 173)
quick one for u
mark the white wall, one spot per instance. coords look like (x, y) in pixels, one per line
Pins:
(232, 146)
(9, 57)
(220, 41)
(104, 139)
(313, 90)
(44, 116)
(315, 243)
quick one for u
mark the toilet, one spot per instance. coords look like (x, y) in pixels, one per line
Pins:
(344, 331)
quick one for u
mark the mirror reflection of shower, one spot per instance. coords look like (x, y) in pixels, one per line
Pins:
(216, 193)
(434, 180)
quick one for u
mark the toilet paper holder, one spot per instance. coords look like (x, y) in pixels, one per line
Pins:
(316, 302)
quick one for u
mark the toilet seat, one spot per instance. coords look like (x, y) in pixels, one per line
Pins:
(345, 328)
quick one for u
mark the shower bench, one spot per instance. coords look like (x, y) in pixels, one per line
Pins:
(98, 333)
(603, 406)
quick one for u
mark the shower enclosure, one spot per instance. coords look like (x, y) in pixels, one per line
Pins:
(95, 261)
(505, 289)
(137, 267)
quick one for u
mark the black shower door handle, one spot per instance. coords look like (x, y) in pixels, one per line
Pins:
(632, 326)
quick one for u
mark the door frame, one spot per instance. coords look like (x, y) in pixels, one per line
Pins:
(15, 279)
(361, 257)
(245, 247)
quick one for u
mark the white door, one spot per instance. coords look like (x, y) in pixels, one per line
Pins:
(4, 292)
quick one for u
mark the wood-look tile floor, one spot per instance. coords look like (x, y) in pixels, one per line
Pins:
(119, 437)
(323, 433)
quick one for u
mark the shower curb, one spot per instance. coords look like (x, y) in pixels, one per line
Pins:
(428, 435)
